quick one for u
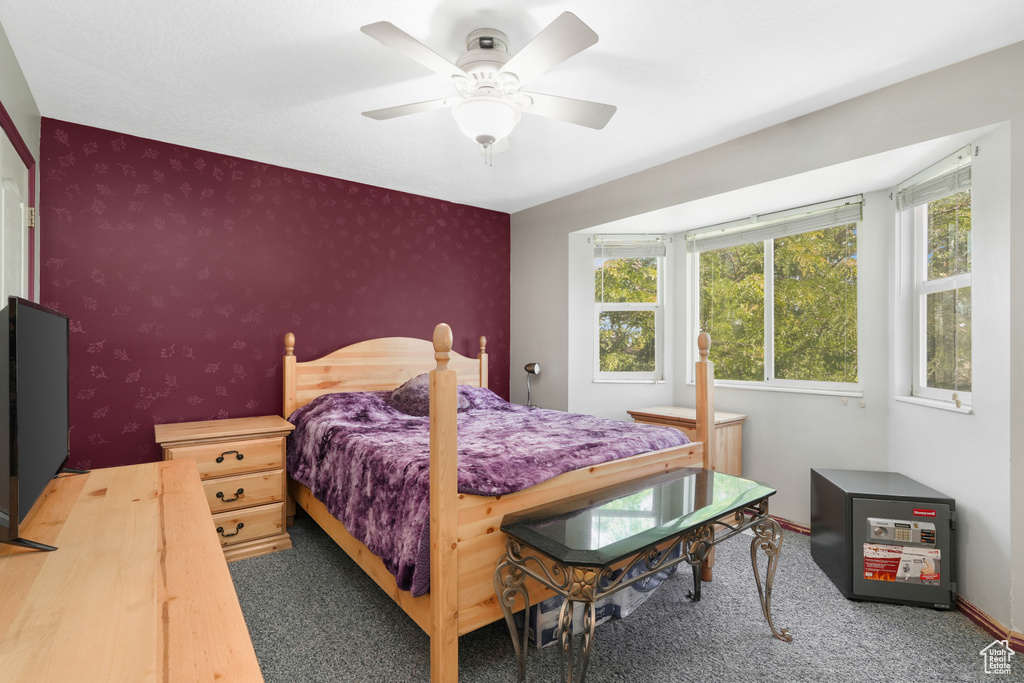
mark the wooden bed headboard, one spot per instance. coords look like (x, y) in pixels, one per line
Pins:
(371, 365)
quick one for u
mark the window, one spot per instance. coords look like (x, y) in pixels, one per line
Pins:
(936, 207)
(629, 305)
(778, 295)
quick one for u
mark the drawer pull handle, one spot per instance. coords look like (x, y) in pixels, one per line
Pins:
(239, 492)
(238, 456)
(238, 527)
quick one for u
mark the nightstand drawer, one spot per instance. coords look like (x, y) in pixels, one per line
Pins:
(244, 525)
(243, 491)
(242, 459)
(233, 457)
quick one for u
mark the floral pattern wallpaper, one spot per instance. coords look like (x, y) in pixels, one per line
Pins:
(182, 270)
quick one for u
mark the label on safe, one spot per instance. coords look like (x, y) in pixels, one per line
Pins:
(909, 564)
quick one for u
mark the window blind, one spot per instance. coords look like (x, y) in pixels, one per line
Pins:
(774, 226)
(950, 182)
(629, 246)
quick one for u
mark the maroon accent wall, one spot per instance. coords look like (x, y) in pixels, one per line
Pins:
(182, 270)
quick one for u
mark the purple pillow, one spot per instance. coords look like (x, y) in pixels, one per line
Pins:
(480, 397)
(413, 397)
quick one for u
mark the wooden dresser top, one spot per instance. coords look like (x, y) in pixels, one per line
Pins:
(137, 590)
(213, 430)
(686, 415)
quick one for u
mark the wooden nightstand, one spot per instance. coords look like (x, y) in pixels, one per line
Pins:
(728, 432)
(241, 463)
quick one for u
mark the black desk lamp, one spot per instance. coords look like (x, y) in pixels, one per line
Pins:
(531, 369)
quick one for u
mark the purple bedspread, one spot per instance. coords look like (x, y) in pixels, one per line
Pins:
(368, 463)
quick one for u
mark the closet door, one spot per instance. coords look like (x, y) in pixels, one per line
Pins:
(14, 230)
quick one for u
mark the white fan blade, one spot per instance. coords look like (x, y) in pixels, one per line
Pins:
(563, 37)
(391, 36)
(406, 109)
(580, 112)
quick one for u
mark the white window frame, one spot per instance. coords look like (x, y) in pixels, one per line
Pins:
(769, 381)
(916, 217)
(658, 375)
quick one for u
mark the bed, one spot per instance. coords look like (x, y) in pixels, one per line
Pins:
(464, 542)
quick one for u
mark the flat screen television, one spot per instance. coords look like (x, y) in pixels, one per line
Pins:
(34, 440)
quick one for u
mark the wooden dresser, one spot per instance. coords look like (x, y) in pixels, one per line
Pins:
(241, 463)
(137, 590)
(728, 431)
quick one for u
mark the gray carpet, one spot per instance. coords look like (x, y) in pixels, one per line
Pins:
(314, 616)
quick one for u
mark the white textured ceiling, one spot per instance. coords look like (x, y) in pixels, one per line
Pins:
(285, 81)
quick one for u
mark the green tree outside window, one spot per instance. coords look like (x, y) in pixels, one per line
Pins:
(627, 338)
(948, 312)
(814, 307)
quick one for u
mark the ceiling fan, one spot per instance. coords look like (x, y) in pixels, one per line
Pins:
(488, 79)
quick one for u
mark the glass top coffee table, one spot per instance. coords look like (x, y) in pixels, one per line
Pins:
(593, 545)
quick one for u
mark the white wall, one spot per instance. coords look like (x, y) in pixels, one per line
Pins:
(542, 334)
(604, 399)
(967, 457)
(787, 432)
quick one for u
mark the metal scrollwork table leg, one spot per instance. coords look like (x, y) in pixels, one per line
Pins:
(575, 584)
(573, 665)
(507, 588)
(696, 548)
(768, 537)
(585, 585)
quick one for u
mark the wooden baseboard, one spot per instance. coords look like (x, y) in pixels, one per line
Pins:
(792, 526)
(1014, 640)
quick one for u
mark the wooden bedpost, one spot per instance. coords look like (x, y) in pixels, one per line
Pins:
(288, 406)
(706, 401)
(483, 361)
(444, 485)
(706, 424)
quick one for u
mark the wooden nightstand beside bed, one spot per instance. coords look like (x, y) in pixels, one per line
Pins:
(241, 462)
(728, 432)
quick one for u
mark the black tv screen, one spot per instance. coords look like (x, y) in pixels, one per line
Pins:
(34, 431)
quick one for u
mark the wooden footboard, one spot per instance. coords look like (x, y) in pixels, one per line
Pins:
(481, 542)
(466, 541)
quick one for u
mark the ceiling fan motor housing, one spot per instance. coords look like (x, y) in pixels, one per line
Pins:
(483, 63)
(489, 79)
(487, 39)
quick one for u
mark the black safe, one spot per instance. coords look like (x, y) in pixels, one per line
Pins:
(884, 537)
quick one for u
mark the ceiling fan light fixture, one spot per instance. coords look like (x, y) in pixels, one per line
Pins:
(486, 120)
(488, 79)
